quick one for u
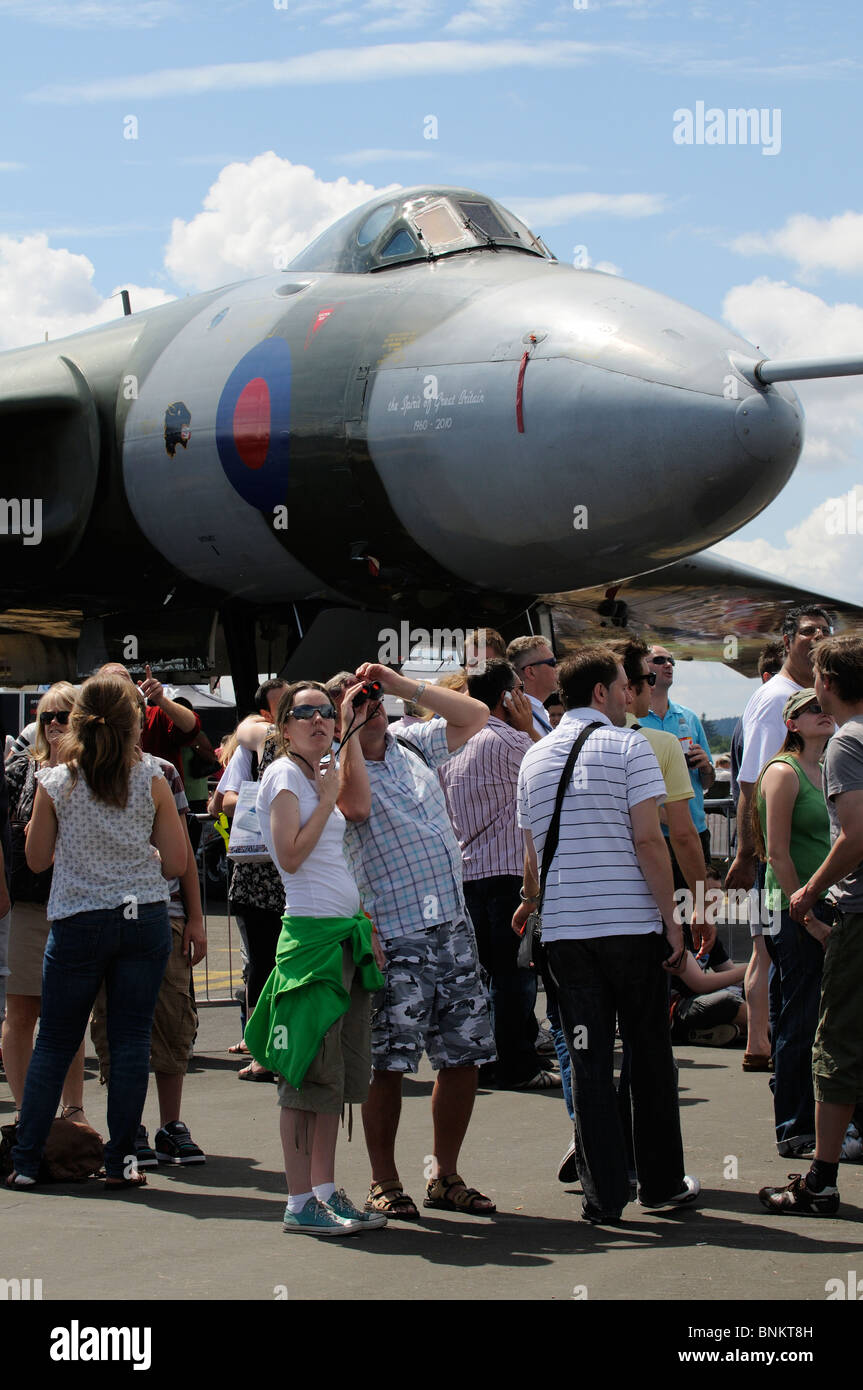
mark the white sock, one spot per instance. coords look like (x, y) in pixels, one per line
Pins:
(296, 1201)
(324, 1191)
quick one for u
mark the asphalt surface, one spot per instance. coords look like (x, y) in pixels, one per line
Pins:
(215, 1231)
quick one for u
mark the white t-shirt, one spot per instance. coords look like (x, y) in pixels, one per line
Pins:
(763, 729)
(323, 885)
(595, 886)
(238, 771)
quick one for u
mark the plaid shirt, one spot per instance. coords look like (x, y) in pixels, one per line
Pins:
(480, 783)
(405, 858)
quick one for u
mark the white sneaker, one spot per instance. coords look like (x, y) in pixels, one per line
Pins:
(688, 1194)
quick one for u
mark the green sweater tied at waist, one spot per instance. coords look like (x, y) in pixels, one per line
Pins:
(304, 995)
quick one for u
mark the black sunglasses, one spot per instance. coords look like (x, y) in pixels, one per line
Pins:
(650, 677)
(662, 660)
(309, 712)
(61, 715)
(549, 661)
(814, 708)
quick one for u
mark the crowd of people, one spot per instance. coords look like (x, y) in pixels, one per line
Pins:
(526, 820)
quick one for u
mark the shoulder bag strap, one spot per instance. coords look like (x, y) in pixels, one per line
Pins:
(418, 752)
(549, 849)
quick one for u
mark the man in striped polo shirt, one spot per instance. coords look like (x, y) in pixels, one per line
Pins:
(479, 783)
(608, 894)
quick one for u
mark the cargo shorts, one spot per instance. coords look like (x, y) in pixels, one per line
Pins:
(433, 1001)
(837, 1055)
(341, 1069)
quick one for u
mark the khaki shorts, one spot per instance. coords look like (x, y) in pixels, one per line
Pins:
(837, 1056)
(175, 1022)
(28, 936)
(341, 1070)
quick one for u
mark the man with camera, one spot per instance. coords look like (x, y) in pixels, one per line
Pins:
(408, 868)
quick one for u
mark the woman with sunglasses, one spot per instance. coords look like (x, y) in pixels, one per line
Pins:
(30, 925)
(792, 831)
(106, 818)
(312, 1023)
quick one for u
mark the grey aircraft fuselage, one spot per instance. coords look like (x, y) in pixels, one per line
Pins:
(417, 435)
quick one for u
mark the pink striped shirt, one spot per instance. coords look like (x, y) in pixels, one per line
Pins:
(480, 783)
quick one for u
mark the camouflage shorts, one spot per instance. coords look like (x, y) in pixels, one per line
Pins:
(433, 1001)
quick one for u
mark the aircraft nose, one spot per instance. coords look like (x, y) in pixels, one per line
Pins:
(768, 425)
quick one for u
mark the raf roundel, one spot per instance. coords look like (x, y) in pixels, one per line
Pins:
(253, 424)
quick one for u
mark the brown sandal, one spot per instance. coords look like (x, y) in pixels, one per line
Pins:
(756, 1061)
(439, 1194)
(391, 1199)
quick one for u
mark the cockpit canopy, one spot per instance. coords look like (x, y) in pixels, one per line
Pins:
(417, 224)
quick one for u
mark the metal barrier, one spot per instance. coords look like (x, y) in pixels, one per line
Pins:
(221, 971)
(722, 824)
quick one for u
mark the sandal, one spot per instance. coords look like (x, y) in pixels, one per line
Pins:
(391, 1199)
(468, 1199)
(251, 1073)
(543, 1081)
(115, 1186)
(69, 1110)
(756, 1061)
(239, 1047)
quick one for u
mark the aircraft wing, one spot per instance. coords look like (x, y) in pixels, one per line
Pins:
(707, 608)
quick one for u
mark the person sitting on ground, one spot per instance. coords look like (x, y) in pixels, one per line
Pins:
(704, 1011)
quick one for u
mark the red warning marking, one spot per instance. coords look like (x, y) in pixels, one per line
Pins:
(319, 320)
(519, 394)
(252, 423)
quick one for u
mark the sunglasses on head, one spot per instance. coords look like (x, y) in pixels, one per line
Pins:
(309, 712)
(662, 660)
(549, 661)
(61, 715)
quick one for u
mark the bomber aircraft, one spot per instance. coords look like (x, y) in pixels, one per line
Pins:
(424, 417)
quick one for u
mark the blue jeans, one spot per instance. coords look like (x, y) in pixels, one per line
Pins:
(552, 1013)
(82, 951)
(599, 980)
(798, 960)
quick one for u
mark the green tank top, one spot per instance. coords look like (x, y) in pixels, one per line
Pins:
(810, 832)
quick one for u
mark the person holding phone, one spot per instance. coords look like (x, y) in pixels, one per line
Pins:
(311, 1025)
(107, 820)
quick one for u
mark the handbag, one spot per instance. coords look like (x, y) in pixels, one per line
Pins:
(532, 933)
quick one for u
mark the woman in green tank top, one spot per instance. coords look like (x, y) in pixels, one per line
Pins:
(793, 835)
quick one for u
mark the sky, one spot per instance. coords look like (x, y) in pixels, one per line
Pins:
(171, 147)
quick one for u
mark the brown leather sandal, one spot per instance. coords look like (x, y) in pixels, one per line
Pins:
(756, 1061)
(391, 1199)
(451, 1194)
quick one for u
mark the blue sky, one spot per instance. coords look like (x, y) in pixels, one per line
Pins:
(564, 111)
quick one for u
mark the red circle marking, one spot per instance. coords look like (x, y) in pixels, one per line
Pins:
(252, 423)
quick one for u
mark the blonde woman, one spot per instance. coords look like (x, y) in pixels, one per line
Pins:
(30, 925)
(106, 817)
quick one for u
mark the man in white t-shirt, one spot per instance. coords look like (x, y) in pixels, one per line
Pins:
(763, 735)
(609, 890)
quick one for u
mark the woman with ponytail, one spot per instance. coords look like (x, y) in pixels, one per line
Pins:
(106, 818)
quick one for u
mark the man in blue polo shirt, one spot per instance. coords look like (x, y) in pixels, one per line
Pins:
(686, 726)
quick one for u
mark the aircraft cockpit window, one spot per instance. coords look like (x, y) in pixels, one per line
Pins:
(439, 227)
(401, 244)
(482, 216)
(374, 225)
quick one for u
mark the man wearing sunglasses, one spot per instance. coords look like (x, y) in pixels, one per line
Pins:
(686, 727)
(536, 663)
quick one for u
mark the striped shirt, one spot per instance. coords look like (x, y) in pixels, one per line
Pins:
(405, 857)
(480, 782)
(595, 886)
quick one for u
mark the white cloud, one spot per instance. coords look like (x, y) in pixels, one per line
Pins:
(482, 15)
(44, 289)
(375, 63)
(83, 14)
(254, 213)
(9, 166)
(815, 243)
(786, 321)
(824, 552)
(551, 212)
(397, 14)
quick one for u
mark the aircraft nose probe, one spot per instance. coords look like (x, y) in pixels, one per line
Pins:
(767, 371)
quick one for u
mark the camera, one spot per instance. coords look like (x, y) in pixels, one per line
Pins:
(369, 690)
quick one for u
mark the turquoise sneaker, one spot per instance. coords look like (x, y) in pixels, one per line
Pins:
(342, 1205)
(316, 1219)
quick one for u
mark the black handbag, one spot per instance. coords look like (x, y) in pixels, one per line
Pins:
(532, 933)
